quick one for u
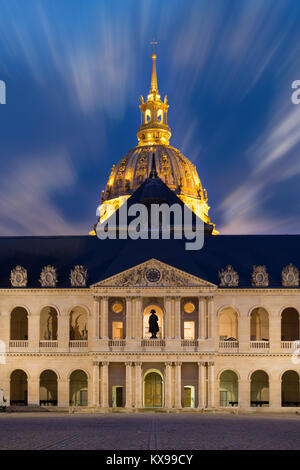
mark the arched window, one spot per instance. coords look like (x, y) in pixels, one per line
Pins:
(78, 388)
(228, 324)
(289, 325)
(147, 313)
(147, 115)
(78, 324)
(160, 116)
(259, 325)
(290, 389)
(19, 324)
(259, 388)
(48, 388)
(18, 388)
(48, 324)
(228, 388)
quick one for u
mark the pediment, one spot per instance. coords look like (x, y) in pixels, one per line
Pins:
(153, 273)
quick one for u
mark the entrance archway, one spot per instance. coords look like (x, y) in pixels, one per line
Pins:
(18, 388)
(48, 388)
(290, 389)
(259, 388)
(19, 324)
(228, 388)
(289, 325)
(48, 324)
(153, 389)
(78, 388)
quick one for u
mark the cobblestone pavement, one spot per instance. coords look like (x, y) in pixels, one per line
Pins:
(148, 431)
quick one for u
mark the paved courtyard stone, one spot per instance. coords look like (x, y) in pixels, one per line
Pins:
(149, 431)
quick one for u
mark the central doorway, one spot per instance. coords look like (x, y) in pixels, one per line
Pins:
(153, 390)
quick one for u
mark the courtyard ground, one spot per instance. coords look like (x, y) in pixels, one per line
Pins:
(148, 431)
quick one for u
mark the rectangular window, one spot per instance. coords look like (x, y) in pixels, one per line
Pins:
(189, 330)
(117, 330)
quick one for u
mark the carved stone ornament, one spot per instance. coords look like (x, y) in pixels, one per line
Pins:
(18, 277)
(48, 277)
(290, 276)
(228, 277)
(154, 273)
(260, 277)
(78, 276)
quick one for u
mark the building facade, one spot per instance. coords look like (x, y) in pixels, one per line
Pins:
(74, 311)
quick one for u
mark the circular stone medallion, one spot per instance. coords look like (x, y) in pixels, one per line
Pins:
(153, 275)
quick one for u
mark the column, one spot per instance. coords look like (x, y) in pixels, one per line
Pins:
(96, 378)
(177, 318)
(138, 387)
(128, 318)
(211, 319)
(34, 332)
(244, 332)
(104, 317)
(138, 319)
(244, 393)
(274, 393)
(96, 315)
(63, 332)
(104, 385)
(201, 318)
(178, 403)
(168, 385)
(33, 392)
(201, 386)
(211, 385)
(63, 392)
(168, 314)
(128, 392)
(275, 332)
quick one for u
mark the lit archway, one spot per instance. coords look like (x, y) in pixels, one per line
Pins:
(146, 316)
(228, 324)
(259, 388)
(290, 389)
(229, 388)
(18, 388)
(78, 324)
(153, 389)
(48, 324)
(78, 388)
(259, 325)
(289, 324)
(48, 388)
(19, 324)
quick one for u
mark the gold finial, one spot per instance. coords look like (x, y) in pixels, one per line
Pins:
(154, 87)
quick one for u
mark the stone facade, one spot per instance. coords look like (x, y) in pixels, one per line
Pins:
(205, 331)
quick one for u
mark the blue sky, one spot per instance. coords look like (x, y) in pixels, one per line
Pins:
(74, 71)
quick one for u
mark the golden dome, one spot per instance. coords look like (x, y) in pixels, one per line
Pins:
(177, 172)
(173, 168)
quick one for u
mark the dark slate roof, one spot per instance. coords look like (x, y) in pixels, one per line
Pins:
(106, 258)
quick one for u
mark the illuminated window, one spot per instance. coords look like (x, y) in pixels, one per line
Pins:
(117, 330)
(189, 330)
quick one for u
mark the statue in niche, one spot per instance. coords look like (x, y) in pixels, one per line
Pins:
(153, 324)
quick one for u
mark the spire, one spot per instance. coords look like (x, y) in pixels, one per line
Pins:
(153, 172)
(154, 129)
(154, 87)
